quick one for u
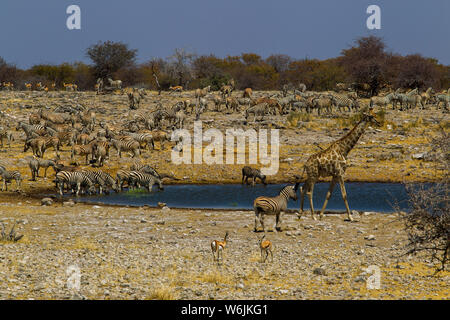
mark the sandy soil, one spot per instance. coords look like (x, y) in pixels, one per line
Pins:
(148, 253)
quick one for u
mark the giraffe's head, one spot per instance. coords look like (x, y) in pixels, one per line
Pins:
(371, 117)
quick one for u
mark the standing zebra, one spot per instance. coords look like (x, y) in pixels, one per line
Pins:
(73, 179)
(273, 206)
(7, 176)
(36, 163)
(126, 145)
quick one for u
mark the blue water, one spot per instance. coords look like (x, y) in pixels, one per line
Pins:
(378, 197)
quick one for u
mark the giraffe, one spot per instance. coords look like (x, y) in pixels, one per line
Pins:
(333, 162)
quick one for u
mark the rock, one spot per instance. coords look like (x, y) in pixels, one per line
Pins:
(46, 202)
(68, 203)
(369, 237)
(161, 204)
(319, 271)
(165, 209)
(355, 214)
(418, 156)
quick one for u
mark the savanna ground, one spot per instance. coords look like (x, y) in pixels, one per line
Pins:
(149, 253)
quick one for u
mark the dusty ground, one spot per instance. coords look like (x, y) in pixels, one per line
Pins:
(145, 253)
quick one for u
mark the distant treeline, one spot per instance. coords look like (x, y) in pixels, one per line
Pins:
(366, 63)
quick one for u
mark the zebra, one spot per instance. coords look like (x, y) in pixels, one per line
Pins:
(322, 103)
(273, 205)
(286, 103)
(341, 101)
(7, 176)
(82, 150)
(30, 128)
(260, 109)
(100, 154)
(36, 163)
(144, 168)
(37, 145)
(5, 134)
(248, 172)
(115, 83)
(381, 101)
(445, 99)
(126, 145)
(103, 179)
(124, 176)
(145, 139)
(134, 100)
(144, 179)
(78, 179)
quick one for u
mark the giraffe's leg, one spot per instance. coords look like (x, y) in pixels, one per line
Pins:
(344, 196)
(330, 191)
(302, 196)
(310, 196)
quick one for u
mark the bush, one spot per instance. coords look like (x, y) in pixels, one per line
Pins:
(428, 223)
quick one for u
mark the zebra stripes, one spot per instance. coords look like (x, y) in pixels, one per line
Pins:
(137, 179)
(142, 179)
(273, 205)
(7, 176)
(126, 145)
(342, 101)
(29, 129)
(144, 168)
(102, 179)
(77, 179)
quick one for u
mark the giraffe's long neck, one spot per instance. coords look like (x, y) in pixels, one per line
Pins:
(347, 143)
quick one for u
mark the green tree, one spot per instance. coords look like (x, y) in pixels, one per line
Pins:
(108, 57)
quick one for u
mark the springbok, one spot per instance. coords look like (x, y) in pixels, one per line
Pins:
(217, 247)
(266, 247)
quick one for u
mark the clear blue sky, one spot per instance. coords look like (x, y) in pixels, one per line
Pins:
(35, 32)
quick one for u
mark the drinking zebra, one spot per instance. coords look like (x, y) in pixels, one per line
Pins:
(102, 179)
(123, 176)
(273, 206)
(248, 172)
(77, 179)
(142, 179)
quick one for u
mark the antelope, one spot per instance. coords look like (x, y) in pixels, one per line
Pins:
(217, 247)
(266, 247)
(176, 89)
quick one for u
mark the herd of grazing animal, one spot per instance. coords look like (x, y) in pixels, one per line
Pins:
(80, 131)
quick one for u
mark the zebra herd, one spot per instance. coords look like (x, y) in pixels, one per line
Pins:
(413, 99)
(98, 181)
